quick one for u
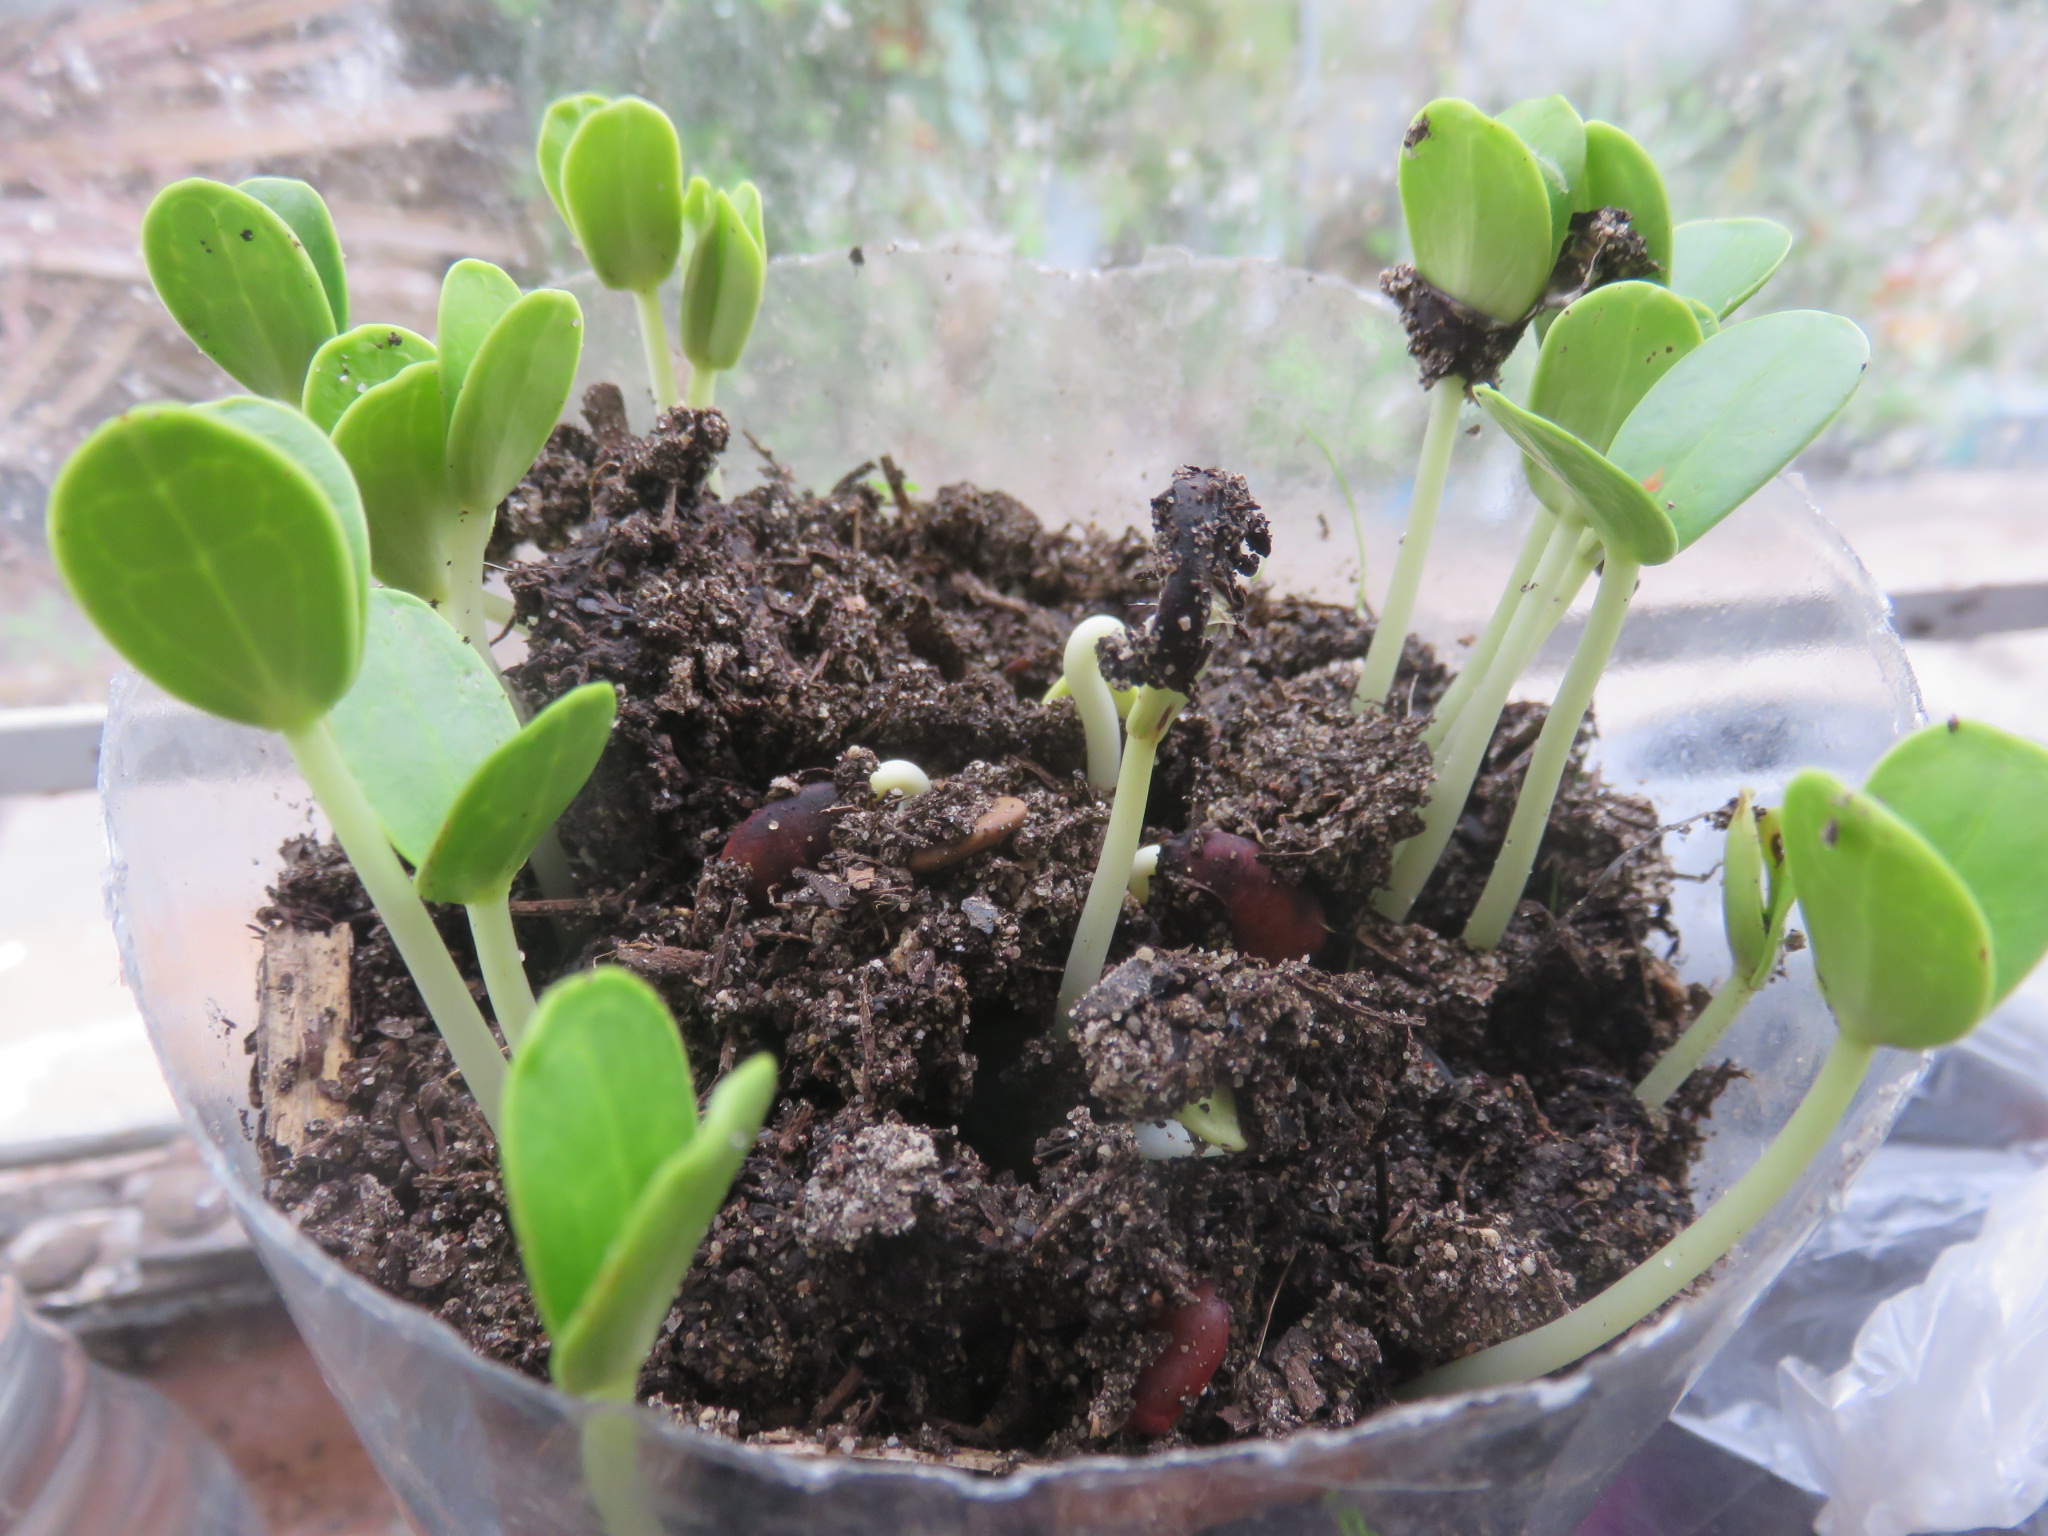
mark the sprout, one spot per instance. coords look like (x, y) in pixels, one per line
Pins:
(253, 274)
(223, 551)
(462, 790)
(610, 1176)
(1924, 904)
(1686, 451)
(1210, 535)
(1506, 215)
(1144, 870)
(615, 172)
(1093, 697)
(1756, 900)
(899, 777)
(437, 444)
(722, 291)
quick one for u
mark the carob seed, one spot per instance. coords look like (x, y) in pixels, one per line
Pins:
(994, 826)
(783, 837)
(1197, 1332)
(1269, 919)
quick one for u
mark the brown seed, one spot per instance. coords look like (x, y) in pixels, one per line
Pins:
(993, 827)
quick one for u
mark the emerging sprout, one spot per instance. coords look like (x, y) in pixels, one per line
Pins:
(222, 549)
(462, 790)
(1210, 535)
(615, 172)
(1756, 900)
(901, 777)
(1923, 900)
(611, 1178)
(253, 274)
(1093, 697)
(722, 290)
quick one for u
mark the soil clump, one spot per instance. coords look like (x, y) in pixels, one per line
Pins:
(946, 1243)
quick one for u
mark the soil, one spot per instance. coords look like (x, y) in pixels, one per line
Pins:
(1443, 1148)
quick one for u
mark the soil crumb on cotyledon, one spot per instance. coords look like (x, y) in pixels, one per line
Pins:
(946, 1243)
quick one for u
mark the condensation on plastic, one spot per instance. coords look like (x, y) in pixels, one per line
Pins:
(85, 1452)
(1079, 393)
(1898, 1365)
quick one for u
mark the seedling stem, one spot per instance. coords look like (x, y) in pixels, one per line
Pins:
(503, 966)
(661, 368)
(1383, 656)
(446, 994)
(1517, 857)
(1534, 543)
(1682, 1260)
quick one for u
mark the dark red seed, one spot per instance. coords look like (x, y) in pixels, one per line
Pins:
(1196, 1334)
(782, 837)
(1269, 919)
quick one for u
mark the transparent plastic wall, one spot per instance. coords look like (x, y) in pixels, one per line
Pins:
(1764, 650)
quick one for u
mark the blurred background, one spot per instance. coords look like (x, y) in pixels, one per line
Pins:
(1904, 141)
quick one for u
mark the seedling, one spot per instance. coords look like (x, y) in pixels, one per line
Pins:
(722, 291)
(253, 274)
(1702, 438)
(615, 172)
(1210, 535)
(463, 791)
(1923, 901)
(612, 1181)
(1101, 720)
(437, 444)
(1507, 217)
(901, 778)
(1756, 900)
(223, 551)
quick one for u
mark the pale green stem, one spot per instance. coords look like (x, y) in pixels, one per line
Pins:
(1700, 1037)
(611, 1473)
(703, 387)
(1682, 1260)
(504, 967)
(1150, 716)
(1510, 876)
(1093, 699)
(1520, 581)
(441, 986)
(1383, 656)
(1558, 580)
(661, 368)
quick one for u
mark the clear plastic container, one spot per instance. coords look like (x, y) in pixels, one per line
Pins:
(1763, 650)
(85, 1452)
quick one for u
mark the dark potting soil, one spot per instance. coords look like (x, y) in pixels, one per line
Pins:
(946, 1243)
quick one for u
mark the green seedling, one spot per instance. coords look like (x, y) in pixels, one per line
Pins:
(1702, 439)
(1477, 206)
(1756, 901)
(1210, 536)
(615, 172)
(612, 1180)
(463, 791)
(1094, 699)
(438, 444)
(223, 551)
(722, 290)
(1923, 900)
(611, 1177)
(352, 364)
(252, 274)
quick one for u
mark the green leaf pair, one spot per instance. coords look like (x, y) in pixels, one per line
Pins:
(252, 274)
(437, 437)
(611, 1178)
(1489, 201)
(461, 789)
(1923, 894)
(222, 549)
(615, 172)
(1702, 438)
(1721, 264)
(728, 271)
(1593, 165)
